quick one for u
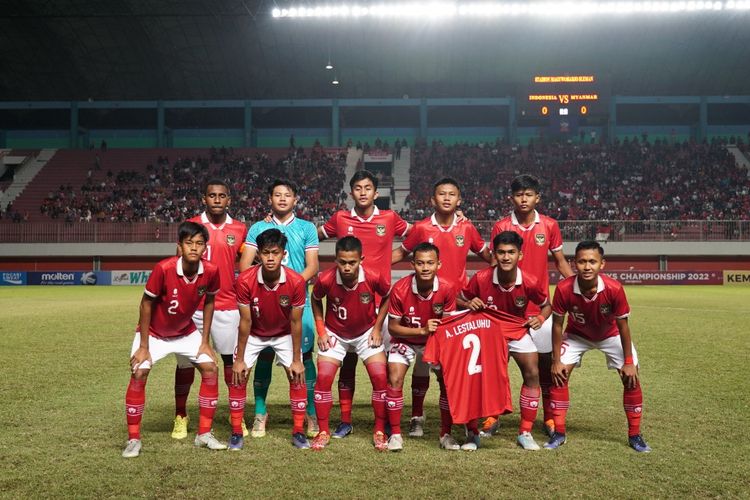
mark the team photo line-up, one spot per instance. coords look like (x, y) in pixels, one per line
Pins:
(435, 318)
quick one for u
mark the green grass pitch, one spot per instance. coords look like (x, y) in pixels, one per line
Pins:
(65, 368)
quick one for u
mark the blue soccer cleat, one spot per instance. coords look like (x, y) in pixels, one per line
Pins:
(236, 442)
(555, 441)
(299, 440)
(343, 430)
(638, 444)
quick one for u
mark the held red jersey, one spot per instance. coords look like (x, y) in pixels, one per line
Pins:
(454, 243)
(270, 307)
(350, 312)
(376, 234)
(411, 309)
(224, 246)
(523, 299)
(542, 236)
(177, 297)
(472, 350)
(591, 318)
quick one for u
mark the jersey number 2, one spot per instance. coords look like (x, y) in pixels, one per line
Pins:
(471, 341)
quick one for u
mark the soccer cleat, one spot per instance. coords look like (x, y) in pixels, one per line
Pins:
(416, 427)
(447, 442)
(132, 449)
(379, 441)
(208, 440)
(320, 441)
(236, 442)
(472, 442)
(555, 441)
(638, 444)
(395, 443)
(490, 426)
(343, 430)
(299, 440)
(312, 426)
(548, 427)
(180, 428)
(245, 432)
(526, 441)
(259, 426)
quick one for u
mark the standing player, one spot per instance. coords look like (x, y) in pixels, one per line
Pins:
(226, 236)
(351, 325)
(271, 297)
(506, 288)
(165, 326)
(376, 229)
(302, 257)
(417, 303)
(454, 236)
(598, 313)
(541, 234)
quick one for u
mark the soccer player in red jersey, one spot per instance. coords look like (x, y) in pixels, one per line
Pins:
(174, 290)
(270, 297)
(376, 229)
(226, 237)
(541, 234)
(598, 313)
(351, 324)
(455, 236)
(506, 288)
(416, 305)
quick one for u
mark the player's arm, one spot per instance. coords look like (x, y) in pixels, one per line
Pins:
(208, 316)
(536, 322)
(486, 254)
(296, 370)
(239, 368)
(311, 265)
(248, 256)
(398, 254)
(376, 337)
(398, 330)
(320, 326)
(144, 321)
(628, 372)
(562, 263)
(321, 234)
(559, 371)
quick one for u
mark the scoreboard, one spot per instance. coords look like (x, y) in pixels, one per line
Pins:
(565, 96)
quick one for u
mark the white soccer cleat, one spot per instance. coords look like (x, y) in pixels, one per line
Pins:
(526, 441)
(447, 442)
(416, 427)
(207, 440)
(472, 442)
(395, 443)
(132, 449)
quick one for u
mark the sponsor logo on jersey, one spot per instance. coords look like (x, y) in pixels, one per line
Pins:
(605, 309)
(337, 300)
(459, 240)
(380, 229)
(230, 239)
(520, 301)
(350, 230)
(201, 290)
(437, 308)
(540, 239)
(365, 297)
(575, 308)
(284, 300)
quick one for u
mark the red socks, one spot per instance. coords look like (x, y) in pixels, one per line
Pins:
(394, 400)
(208, 397)
(298, 399)
(446, 421)
(559, 404)
(237, 399)
(632, 402)
(183, 380)
(135, 400)
(378, 373)
(529, 403)
(419, 386)
(323, 397)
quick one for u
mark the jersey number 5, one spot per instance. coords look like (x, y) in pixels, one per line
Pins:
(471, 341)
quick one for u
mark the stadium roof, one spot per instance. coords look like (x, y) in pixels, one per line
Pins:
(233, 49)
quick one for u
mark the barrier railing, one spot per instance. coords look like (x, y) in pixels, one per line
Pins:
(153, 232)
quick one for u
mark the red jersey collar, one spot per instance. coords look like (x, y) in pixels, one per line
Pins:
(599, 288)
(415, 291)
(376, 211)
(360, 278)
(282, 278)
(514, 221)
(434, 222)
(496, 282)
(206, 220)
(181, 273)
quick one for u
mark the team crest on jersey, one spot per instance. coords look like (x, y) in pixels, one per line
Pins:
(460, 240)
(284, 300)
(380, 229)
(365, 297)
(202, 290)
(437, 308)
(539, 239)
(520, 301)
(605, 309)
(230, 239)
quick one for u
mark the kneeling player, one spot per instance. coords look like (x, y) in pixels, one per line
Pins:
(270, 299)
(597, 319)
(350, 325)
(165, 326)
(505, 288)
(417, 303)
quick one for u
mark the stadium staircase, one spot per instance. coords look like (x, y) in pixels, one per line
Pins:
(742, 160)
(401, 184)
(23, 177)
(354, 159)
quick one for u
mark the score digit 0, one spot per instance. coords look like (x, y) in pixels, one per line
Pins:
(584, 110)
(545, 110)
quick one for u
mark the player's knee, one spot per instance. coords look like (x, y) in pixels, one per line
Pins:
(208, 370)
(141, 374)
(395, 379)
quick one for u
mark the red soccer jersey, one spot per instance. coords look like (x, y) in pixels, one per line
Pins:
(224, 244)
(591, 318)
(270, 307)
(176, 297)
(412, 310)
(472, 350)
(376, 234)
(539, 238)
(454, 243)
(523, 299)
(350, 312)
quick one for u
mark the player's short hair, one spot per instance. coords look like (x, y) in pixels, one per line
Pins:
(191, 229)
(524, 182)
(446, 180)
(425, 246)
(283, 182)
(507, 238)
(349, 244)
(361, 175)
(271, 238)
(215, 182)
(589, 245)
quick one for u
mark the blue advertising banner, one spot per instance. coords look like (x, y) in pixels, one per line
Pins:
(12, 278)
(70, 278)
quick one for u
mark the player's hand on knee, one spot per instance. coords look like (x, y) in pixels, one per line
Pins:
(239, 372)
(559, 373)
(208, 351)
(376, 339)
(324, 342)
(297, 372)
(138, 357)
(629, 375)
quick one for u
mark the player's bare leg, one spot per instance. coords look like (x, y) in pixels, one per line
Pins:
(135, 400)
(378, 373)
(347, 380)
(528, 363)
(327, 368)
(395, 403)
(208, 397)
